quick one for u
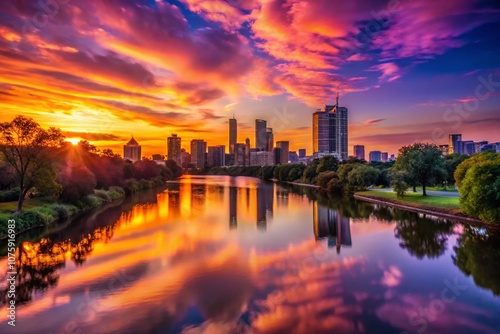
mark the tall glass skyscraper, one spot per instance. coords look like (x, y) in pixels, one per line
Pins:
(233, 134)
(455, 144)
(330, 130)
(174, 149)
(261, 135)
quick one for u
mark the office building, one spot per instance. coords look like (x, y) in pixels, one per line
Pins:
(497, 145)
(260, 134)
(132, 150)
(216, 156)
(285, 150)
(330, 130)
(454, 144)
(293, 157)
(185, 158)
(269, 139)
(392, 158)
(359, 152)
(240, 155)
(489, 147)
(385, 156)
(278, 153)
(233, 134)
(198, 153)
(302, 153)
(375, 156)
(174, 149)
(479, 144)
(468, 147)
(262, 158)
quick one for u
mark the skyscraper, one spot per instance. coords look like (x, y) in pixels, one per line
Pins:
(269, 139)
(132, 150)
(216, 156)
(198, 152)
(385, 157)
(454, 145)
(330, 130)
(233, 134)
(359, 152)
(174, 149)
(285, 150)
(260, 134)
(375, 156)
(302, 152)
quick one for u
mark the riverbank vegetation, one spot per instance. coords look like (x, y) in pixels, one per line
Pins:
(38, 164)
(418, 166)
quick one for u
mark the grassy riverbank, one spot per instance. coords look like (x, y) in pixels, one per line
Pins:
(444, 204)
(43, 211)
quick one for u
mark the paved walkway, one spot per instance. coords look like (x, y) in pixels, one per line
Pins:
(438, 193)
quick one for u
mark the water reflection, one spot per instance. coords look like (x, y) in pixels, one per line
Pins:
(290, 260)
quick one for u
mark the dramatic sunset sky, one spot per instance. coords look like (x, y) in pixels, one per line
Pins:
(104, 70)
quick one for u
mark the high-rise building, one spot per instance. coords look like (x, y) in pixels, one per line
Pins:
(479, 144)
(185, 158)
(262, 158)
(260, 134)
(198, 153)
(132, 150)
(385, 157)
(359, 152)
(278, 153)
(233, 134)
(468, 147)
(489, 147)
(285, 150)
(375, 156)
(330, 130)
(174, 149)
(454, 144)
(216, 156)
(293, 157)
(240, 155)
(302, 153)
(269, 139)
(330, 224)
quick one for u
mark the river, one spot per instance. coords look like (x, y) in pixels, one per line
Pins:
(238, 255)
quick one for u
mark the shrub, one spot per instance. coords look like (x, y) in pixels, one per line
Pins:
(116, 192)
(398, 183)
(103, 194)
(9, 195)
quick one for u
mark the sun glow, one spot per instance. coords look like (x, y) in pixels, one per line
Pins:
(73, 141)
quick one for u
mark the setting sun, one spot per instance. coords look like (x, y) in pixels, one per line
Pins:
(73, 141)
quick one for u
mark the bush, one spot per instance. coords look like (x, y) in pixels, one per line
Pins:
(103, 194)
(398, 183)
(324, 178)
(116, 192)
(9, 195)
(480, 191)
(335, 186)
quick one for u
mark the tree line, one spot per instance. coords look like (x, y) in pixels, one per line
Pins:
(418, 165)
(37, 162)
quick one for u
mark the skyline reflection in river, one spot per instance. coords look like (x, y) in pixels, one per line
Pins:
(236, 255)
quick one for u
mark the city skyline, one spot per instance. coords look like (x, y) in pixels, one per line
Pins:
(104, 79)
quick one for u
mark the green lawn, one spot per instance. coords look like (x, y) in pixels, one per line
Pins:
(412, 198)
(28, 204)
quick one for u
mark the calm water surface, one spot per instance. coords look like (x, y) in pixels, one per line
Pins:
(236, 255)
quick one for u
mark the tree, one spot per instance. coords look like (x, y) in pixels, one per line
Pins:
(480, 191)
(77, 182)
(422, 162)
(362, 177)
(476, 159)
(451, 162)
(328, 163)
(23, 143)
(398, 182)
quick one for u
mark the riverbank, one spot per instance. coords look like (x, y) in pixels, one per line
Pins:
(297, 184)
(39, 212)
(444, 207)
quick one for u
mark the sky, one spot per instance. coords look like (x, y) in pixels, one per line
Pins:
(104, 70)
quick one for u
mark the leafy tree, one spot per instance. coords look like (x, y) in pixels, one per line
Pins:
(176, 170)
(310, 171)
(295, 174)
(362, 176)
(77, 182)
(451, 162)
(46, 183)
(476, 159)
(422, 162)
(398, 182)
(23, 143)
(324, 178)
(8, 179)
(480, 191)
(328, 163)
